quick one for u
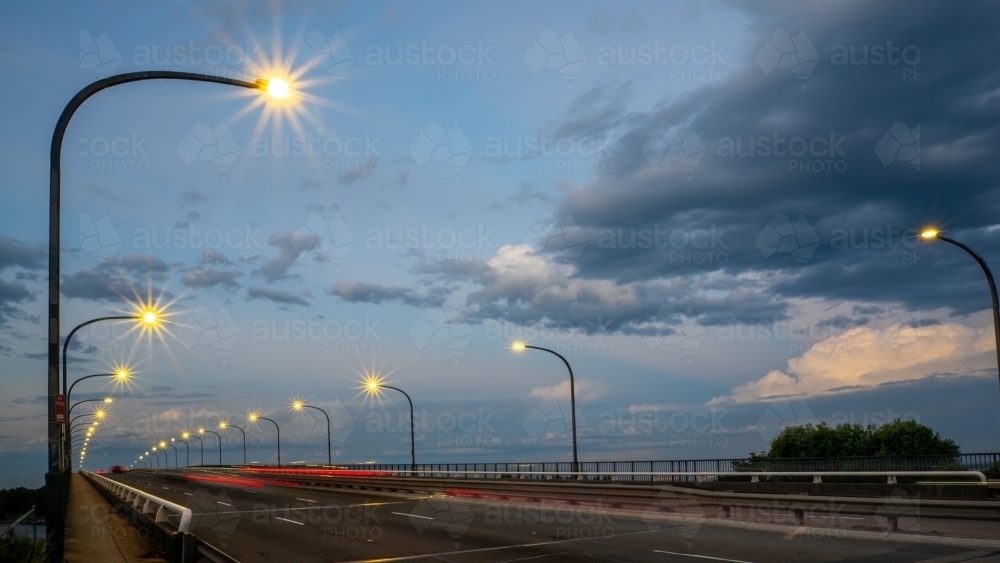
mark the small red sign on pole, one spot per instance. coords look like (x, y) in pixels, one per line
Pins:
(60, 409)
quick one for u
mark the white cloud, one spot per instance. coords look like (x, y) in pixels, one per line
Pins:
(864, 356)
(586, 391)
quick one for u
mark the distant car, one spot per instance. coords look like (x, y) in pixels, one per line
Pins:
(118, 469)
(100, 472)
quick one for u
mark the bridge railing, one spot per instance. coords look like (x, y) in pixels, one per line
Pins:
(839, 470)
(147, 503)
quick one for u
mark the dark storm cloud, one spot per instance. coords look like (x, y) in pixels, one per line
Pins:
(15, 254)
(275, 295)
(857, 225)
(115, 279)
(354, 291)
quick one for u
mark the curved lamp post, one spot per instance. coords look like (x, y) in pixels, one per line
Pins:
(520, 347)
(298, 406)
(157, 454)
(222, 426)
(931, 234)
(187, 436)
(373, 386)
(253, 418)
(57, 485)
(202, 431)
(187, 453)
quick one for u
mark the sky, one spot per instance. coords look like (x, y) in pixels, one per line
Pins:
(710, 209)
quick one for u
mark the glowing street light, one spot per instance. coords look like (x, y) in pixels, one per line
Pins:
(254, 416)
(298, 406)
(372, 387)
(202, 431)
(519, 346)
(222, 426)
(934, 234)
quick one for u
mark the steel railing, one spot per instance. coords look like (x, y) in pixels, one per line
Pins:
(11, 528)
(149, 503)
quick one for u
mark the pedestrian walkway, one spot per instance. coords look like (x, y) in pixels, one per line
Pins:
(94, 534)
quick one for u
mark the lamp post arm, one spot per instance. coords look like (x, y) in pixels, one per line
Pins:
(993, 292)
(65, 350)
(278, 430)
(329, 447)
(572, 398)
(413, 447)
(219, 436)
(70, 392)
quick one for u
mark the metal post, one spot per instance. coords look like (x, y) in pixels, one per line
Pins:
(56, 480)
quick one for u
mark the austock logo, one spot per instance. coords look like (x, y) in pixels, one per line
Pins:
(439, 327)
(681, 329)
(900, 143)
(215, 514)
(99, 54)
(202, 327)
(100, 237)
(552, 419)
(203, 143)
(328, 54)
(448, 514)
(782, 414)
(677, 144)
(551, 52)
(562, 237)
(782, 52)
(781, 235)
(675, 511)
(436, 144)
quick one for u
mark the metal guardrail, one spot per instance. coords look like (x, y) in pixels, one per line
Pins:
(988, 463)
(816, 476)
(16, 522)
(605, 494)
(152, 503)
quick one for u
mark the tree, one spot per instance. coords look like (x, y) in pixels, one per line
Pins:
(893, 438)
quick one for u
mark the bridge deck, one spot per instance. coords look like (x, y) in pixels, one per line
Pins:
(96, 534)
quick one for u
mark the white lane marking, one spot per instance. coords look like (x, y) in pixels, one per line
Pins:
(699, 556)
(413, 515)
(287, 520)
(304, 499)
(440, 554)
(227, 504)
(189, 494)
(850, 518)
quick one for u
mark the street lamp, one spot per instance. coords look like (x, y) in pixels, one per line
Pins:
(187, 436)
(57, 484)
(372, 386)
(163, 446)
(202, 431)
(121, 374)
(931, 234)
(298, 406)
(253, 417)
(157, 454)
(519, 346)
(222, 426)
(106, 400)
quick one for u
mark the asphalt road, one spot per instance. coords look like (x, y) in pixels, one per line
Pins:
(257, 522)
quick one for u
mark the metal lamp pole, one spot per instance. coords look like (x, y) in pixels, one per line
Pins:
(989, 279)
(572, 394)
(202, 430)
(57, 483)
(413, 448)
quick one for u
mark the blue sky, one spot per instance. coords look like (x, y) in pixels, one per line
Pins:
(708, 208)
